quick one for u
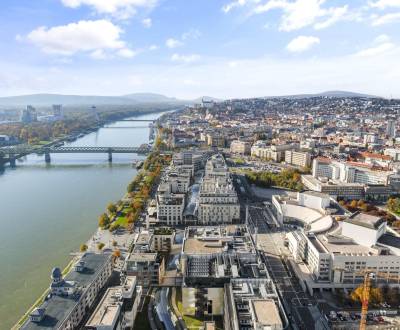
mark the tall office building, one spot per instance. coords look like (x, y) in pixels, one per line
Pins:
(58, 111)
(391, 129)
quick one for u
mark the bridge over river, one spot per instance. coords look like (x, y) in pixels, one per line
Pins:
(10, 154)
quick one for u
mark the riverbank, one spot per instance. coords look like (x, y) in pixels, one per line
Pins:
(44, 232)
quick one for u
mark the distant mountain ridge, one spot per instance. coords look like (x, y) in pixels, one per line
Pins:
(137, 98)
(48, 99)
(326, 94)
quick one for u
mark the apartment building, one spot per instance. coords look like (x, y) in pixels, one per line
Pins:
(298, 158)
(146, 266)
(240, 147)
(73, 295)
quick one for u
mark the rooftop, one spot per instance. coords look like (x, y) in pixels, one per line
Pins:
(366, 220)
(266, 312)
(107, 310)
(58, 308)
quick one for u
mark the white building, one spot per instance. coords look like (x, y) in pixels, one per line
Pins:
(218, 201)
(338, 260)
(240, 147)
(309, 210)
(298, 158)
(73, 295)
(350, 172)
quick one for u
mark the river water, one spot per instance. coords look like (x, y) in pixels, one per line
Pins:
(47, 211)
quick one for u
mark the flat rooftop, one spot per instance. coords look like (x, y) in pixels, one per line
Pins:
(266, 312)
(213, 239)
(107, 310)
(344, 246)
(366, 220)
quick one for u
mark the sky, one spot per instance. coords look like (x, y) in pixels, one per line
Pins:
(191, 48)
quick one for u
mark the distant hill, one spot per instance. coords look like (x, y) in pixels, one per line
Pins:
(150, 97)
(73, 100)
(327, 94)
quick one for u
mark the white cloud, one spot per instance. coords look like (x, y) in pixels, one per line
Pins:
(296, 14)
(153, 47)
(385, 19)
(191, 34)
(173, 43)
(383, 4)
(83, 36)
(147, 22)
(237, 3)
(98, 54)
(335, 15)
(381, 39)
(127, 53)
(376, 50)
(185, 58)
(118, 8)
(302, 43)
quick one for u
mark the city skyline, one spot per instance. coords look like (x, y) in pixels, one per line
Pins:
(225, 49)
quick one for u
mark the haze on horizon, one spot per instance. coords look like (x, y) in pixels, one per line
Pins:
(189, 48)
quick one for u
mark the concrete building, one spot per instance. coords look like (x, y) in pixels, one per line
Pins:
(310, 210)
(350, 172)
(273, 152)
(240, 147)
(28, 115)
(170, 206)
(333, 188)
(162, 239)
(218, 200)
(118, 307)
(298, 158)
(337, 259)
(72, 295)
(252, 304)
(391, 129)
(147, 268)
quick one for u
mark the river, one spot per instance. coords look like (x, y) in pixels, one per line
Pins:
(47, 211)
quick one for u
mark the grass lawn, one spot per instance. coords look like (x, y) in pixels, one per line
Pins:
(122, 219)
(193, 322)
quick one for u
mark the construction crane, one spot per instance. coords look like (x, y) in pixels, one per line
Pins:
(369, 275)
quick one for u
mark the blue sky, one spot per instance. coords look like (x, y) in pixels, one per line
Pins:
(189, 48)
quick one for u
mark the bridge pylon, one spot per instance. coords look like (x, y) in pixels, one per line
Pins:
(47, 157)
(110, 155)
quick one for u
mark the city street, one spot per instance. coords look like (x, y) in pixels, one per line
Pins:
(301, 309)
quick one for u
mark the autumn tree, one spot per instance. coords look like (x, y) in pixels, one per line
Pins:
(104, 221)
(83, 247)
(375, 295)
(111, 208)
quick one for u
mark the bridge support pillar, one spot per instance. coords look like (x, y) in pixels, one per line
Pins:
(47, 158)
(13, 162)
(110, 157)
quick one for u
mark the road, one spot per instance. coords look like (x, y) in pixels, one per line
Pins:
(302, 309)
(163, 309)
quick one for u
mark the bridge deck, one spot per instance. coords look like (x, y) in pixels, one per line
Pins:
(65, 150)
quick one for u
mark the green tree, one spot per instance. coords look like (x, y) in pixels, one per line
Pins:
(100, 246)
(83, 247)
(104, 221)
(111, 208)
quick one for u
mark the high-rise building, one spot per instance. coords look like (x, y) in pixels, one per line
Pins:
(58, 111)
(28, 115)
(391, 129)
